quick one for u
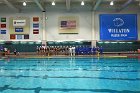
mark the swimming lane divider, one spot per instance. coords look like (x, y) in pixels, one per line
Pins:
(73, 77)
(39, 89)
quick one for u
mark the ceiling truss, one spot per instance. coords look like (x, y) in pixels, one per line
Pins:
(68, 4)
(11, 6)
(39, 5)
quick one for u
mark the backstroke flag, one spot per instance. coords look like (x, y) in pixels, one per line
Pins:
(118, 27)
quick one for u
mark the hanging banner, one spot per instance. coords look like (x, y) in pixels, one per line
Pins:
(118, 27)
(35, 31)
(35, 19)
(3, 31)
(26, 36)
(19, 36)
(3, 19)
(35, 25)
(3, 25)
(12, 36)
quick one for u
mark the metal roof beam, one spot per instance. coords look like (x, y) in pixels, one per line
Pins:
(39, 5)
(97, 5)
(10, 5)
(68, 4)
(125, 4)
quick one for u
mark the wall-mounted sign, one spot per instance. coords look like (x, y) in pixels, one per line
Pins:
(3, 19)
(35, 25)
(18, 29)
(12, 36)
(26, 36)
(118, 27)
(19, 22)
(19, 36)
(35, 31)
(3, 31)
(68, 24)
(3, 25)
(35, 19)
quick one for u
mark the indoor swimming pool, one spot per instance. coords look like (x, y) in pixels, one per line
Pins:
(70, 75)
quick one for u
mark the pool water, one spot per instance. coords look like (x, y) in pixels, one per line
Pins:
(70, 75)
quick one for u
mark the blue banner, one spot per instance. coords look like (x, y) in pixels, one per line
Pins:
(36, 25)
(19, 36)
(118, 27)
(18, 29)
(3, 31)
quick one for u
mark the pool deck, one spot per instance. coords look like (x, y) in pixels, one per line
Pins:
(131, 55)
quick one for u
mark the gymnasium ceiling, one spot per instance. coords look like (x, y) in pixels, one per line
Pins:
(42, 5)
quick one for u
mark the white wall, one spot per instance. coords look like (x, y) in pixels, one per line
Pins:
(84, 26)
(52, 34)
(88, 22)
(53, 12)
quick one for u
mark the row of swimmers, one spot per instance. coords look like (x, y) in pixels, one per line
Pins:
(69, 50)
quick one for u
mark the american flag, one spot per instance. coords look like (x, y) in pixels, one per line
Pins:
(68, 24)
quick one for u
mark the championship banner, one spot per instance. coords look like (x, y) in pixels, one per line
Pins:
(35, 31)
(26, 36)
(12, 36)
(3, 31)
(19, 36)
(35, 25)
(118, 27)
(3, 26)
(35, 19)
(3, 19)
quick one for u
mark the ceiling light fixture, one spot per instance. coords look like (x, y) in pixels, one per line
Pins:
(53, 3)
(82, 3)
(112, 3)
(24, 3)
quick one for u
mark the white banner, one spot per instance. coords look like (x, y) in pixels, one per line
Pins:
(19, 22)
